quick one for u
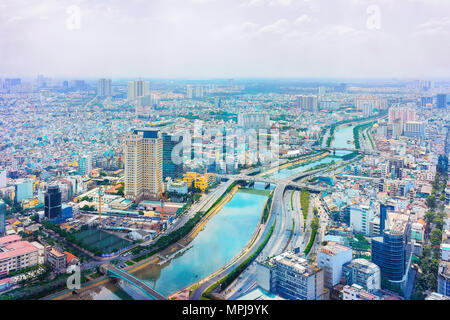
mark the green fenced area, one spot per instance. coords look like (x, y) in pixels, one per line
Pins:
(97, 240)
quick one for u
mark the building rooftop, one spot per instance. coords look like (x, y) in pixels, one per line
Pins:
(444, 269)
(333, 248)
(437, 296)
(147, 133)
(57, 253)
(8, 239)
(295, 262)
(396, 223)
(363, 265)
(360, 292)
(17, 248)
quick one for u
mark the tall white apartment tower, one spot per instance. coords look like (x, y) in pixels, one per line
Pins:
(138, 88)
(104, 88)
(143, 165)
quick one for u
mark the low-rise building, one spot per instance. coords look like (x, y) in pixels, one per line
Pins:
(331, 258)
(363, 273)
(16, 254)
(180, 187)
(356, 292)
(437, 296)
(56, 259)
(291, 277)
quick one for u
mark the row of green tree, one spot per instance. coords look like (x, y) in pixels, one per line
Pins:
(429, 260)
(314, 227)
(304, 202)
(267, 207)
(357, 129)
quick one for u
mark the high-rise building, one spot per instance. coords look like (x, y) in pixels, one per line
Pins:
(2, 218)
(172, 168)
(307, 103)
(363, 273)
(138, 88)
(360, 215)
(331, 258)
(11, 83)
(322, 90)
(23, 190)
(367, 110)
(143, 164)
(404, 114)
(383, 215)
(414, 129)
(85, 165)
(444, 278)
(2, 178)
(376, 102)
(253, 120)
(426, 101)
(291, 277)
(104, 88)
(441, 100)
(390, 251)
(52, 202)
(194, 91)
(77, 84)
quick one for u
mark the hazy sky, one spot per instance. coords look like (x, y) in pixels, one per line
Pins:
(225, 38)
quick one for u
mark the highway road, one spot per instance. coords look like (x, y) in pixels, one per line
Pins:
(274, 244)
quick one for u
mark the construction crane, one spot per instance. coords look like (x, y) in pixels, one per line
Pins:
(100, 195)
(161, 193)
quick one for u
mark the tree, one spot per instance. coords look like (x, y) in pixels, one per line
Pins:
(315, 224)
(429, 216)
(439, 223)
(417, 295)
(431, 201)
(436, 237)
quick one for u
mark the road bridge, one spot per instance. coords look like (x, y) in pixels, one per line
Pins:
(333, 150)
(115, 272)
(287, 181)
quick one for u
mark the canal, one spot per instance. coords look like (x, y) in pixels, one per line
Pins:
(223, 237)
(343, 138)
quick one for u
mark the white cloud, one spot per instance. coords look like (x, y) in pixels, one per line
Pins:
(178, 38)
(304, 18)
(276, 27)
(273, 3)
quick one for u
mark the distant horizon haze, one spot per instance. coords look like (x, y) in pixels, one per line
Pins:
(203, 39)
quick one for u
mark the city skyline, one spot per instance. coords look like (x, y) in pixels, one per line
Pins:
(228, 150)
(229, 39)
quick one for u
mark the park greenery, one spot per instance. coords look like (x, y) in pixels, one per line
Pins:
(304, 201)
